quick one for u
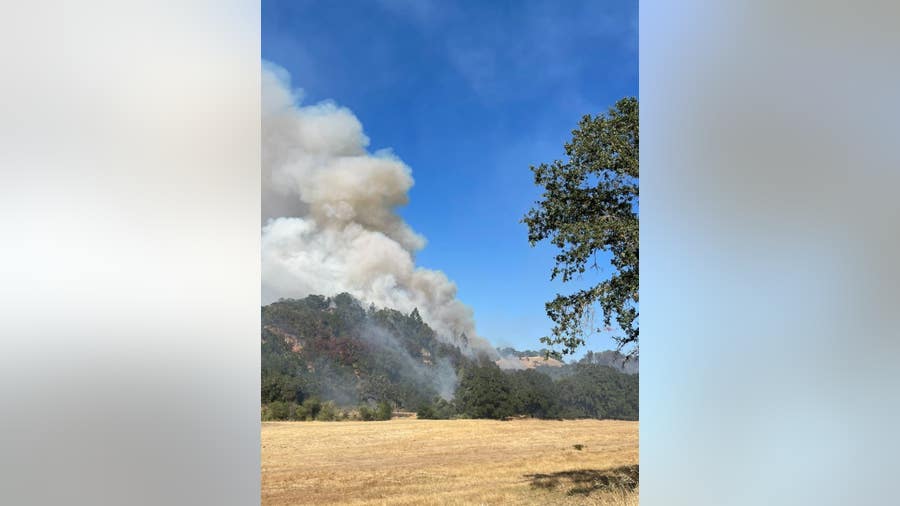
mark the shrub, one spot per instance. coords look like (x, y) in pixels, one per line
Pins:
(366, 414)
(309, 410)
(327, 412)
(383, 411)
(426, 412)
(278, 410)
(439, 409)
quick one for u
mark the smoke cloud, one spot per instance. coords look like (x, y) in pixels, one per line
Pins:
(440, 375)
(329, 216)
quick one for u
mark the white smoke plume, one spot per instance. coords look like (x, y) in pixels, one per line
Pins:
(329, 219)
(441, 376)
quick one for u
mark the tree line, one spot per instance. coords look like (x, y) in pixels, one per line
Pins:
(313, 409)
(590, 391)
(330, 358)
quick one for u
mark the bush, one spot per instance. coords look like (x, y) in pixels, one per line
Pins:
(437, 410)
(327, 412)
(426, 412)
(383, 411)
(309, 410)
(366, 414)
(278, 410)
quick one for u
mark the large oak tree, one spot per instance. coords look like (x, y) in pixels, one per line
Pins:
(590, 205)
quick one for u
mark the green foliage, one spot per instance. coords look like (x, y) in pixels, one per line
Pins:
(281, 387)
(586, 390)
(309, 410)
(366, 414)
(589, 391)
(426, 412)
(327, 412)
(336, 349)
(535, 394)
(590, 204)
(485, 391)
(383, 411)
(278, 410)
(438, 409)
(596, 391)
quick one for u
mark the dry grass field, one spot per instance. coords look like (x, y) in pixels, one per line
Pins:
(422, 462)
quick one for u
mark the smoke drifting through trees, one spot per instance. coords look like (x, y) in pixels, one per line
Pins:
(439, 374)
(333, 348)
(329, 220)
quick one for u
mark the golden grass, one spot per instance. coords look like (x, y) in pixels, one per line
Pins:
(424, 462)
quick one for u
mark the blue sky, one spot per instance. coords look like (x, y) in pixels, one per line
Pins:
(469, 94)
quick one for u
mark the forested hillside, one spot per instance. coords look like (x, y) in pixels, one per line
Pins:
(335, 349)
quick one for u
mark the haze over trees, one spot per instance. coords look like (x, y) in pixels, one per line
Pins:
(330, 358)
(582, 390)
(590, 205)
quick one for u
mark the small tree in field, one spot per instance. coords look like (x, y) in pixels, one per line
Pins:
(383, 411)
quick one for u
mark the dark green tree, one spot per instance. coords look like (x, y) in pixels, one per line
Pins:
(438, 409)
(309, 410)
(589, 206)
(597, 391)
(485, 391)
(366, 414)
(327, 412)
(279, 410)
(383, 411)
(426, 412)
(535, 394)
(415, 316)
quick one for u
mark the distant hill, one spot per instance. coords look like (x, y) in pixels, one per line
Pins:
(530, 359)
(612, 358)
(527, 362)
(512, 352)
